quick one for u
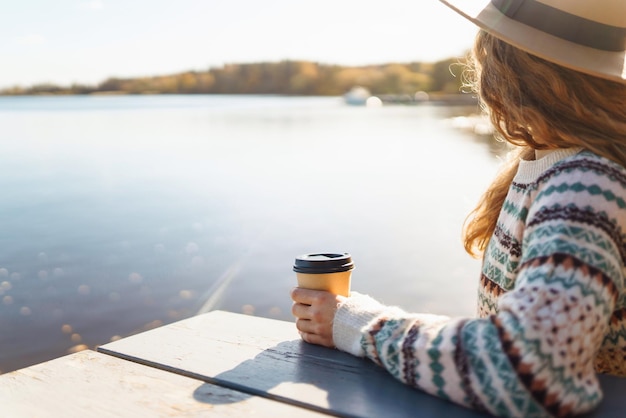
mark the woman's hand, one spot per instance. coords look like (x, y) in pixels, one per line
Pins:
(315, 311)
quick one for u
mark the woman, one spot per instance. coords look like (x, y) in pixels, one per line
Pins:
(551, 227)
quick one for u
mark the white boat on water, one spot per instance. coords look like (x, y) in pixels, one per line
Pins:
(360, 96)
(357, 96)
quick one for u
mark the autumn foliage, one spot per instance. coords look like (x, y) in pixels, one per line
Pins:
(283, 78)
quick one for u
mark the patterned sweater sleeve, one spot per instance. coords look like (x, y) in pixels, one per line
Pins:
(535, 357)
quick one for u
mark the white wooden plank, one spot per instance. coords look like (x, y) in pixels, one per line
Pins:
(267, 357)
(90, 384)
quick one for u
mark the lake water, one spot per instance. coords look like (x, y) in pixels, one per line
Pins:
(119, 214)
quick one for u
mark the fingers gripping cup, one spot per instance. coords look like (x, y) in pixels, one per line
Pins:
(325, 271)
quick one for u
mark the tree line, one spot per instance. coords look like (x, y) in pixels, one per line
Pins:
(283, 78)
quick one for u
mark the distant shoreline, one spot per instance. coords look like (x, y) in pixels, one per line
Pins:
(453, 99)
(296, 78)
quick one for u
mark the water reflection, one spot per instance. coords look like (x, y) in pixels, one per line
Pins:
(121, 215)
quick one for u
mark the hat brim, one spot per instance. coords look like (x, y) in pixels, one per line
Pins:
(605, 64)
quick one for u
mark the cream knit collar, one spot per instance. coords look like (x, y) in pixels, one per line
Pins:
(529, 171)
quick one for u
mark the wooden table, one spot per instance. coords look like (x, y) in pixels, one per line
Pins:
(225, 364)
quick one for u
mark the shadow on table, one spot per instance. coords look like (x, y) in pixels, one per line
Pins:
(324, 379)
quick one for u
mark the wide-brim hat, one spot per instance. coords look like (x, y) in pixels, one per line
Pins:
(584, 35)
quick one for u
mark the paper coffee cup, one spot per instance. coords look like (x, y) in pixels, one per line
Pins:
(325, 271)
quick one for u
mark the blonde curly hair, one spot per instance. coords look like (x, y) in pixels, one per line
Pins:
(535, 104)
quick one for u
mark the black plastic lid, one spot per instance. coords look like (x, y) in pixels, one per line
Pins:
(320, 263)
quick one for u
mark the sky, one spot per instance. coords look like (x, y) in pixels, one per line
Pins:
(88, 41)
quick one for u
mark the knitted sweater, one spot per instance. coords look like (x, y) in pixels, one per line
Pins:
(551, 303)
